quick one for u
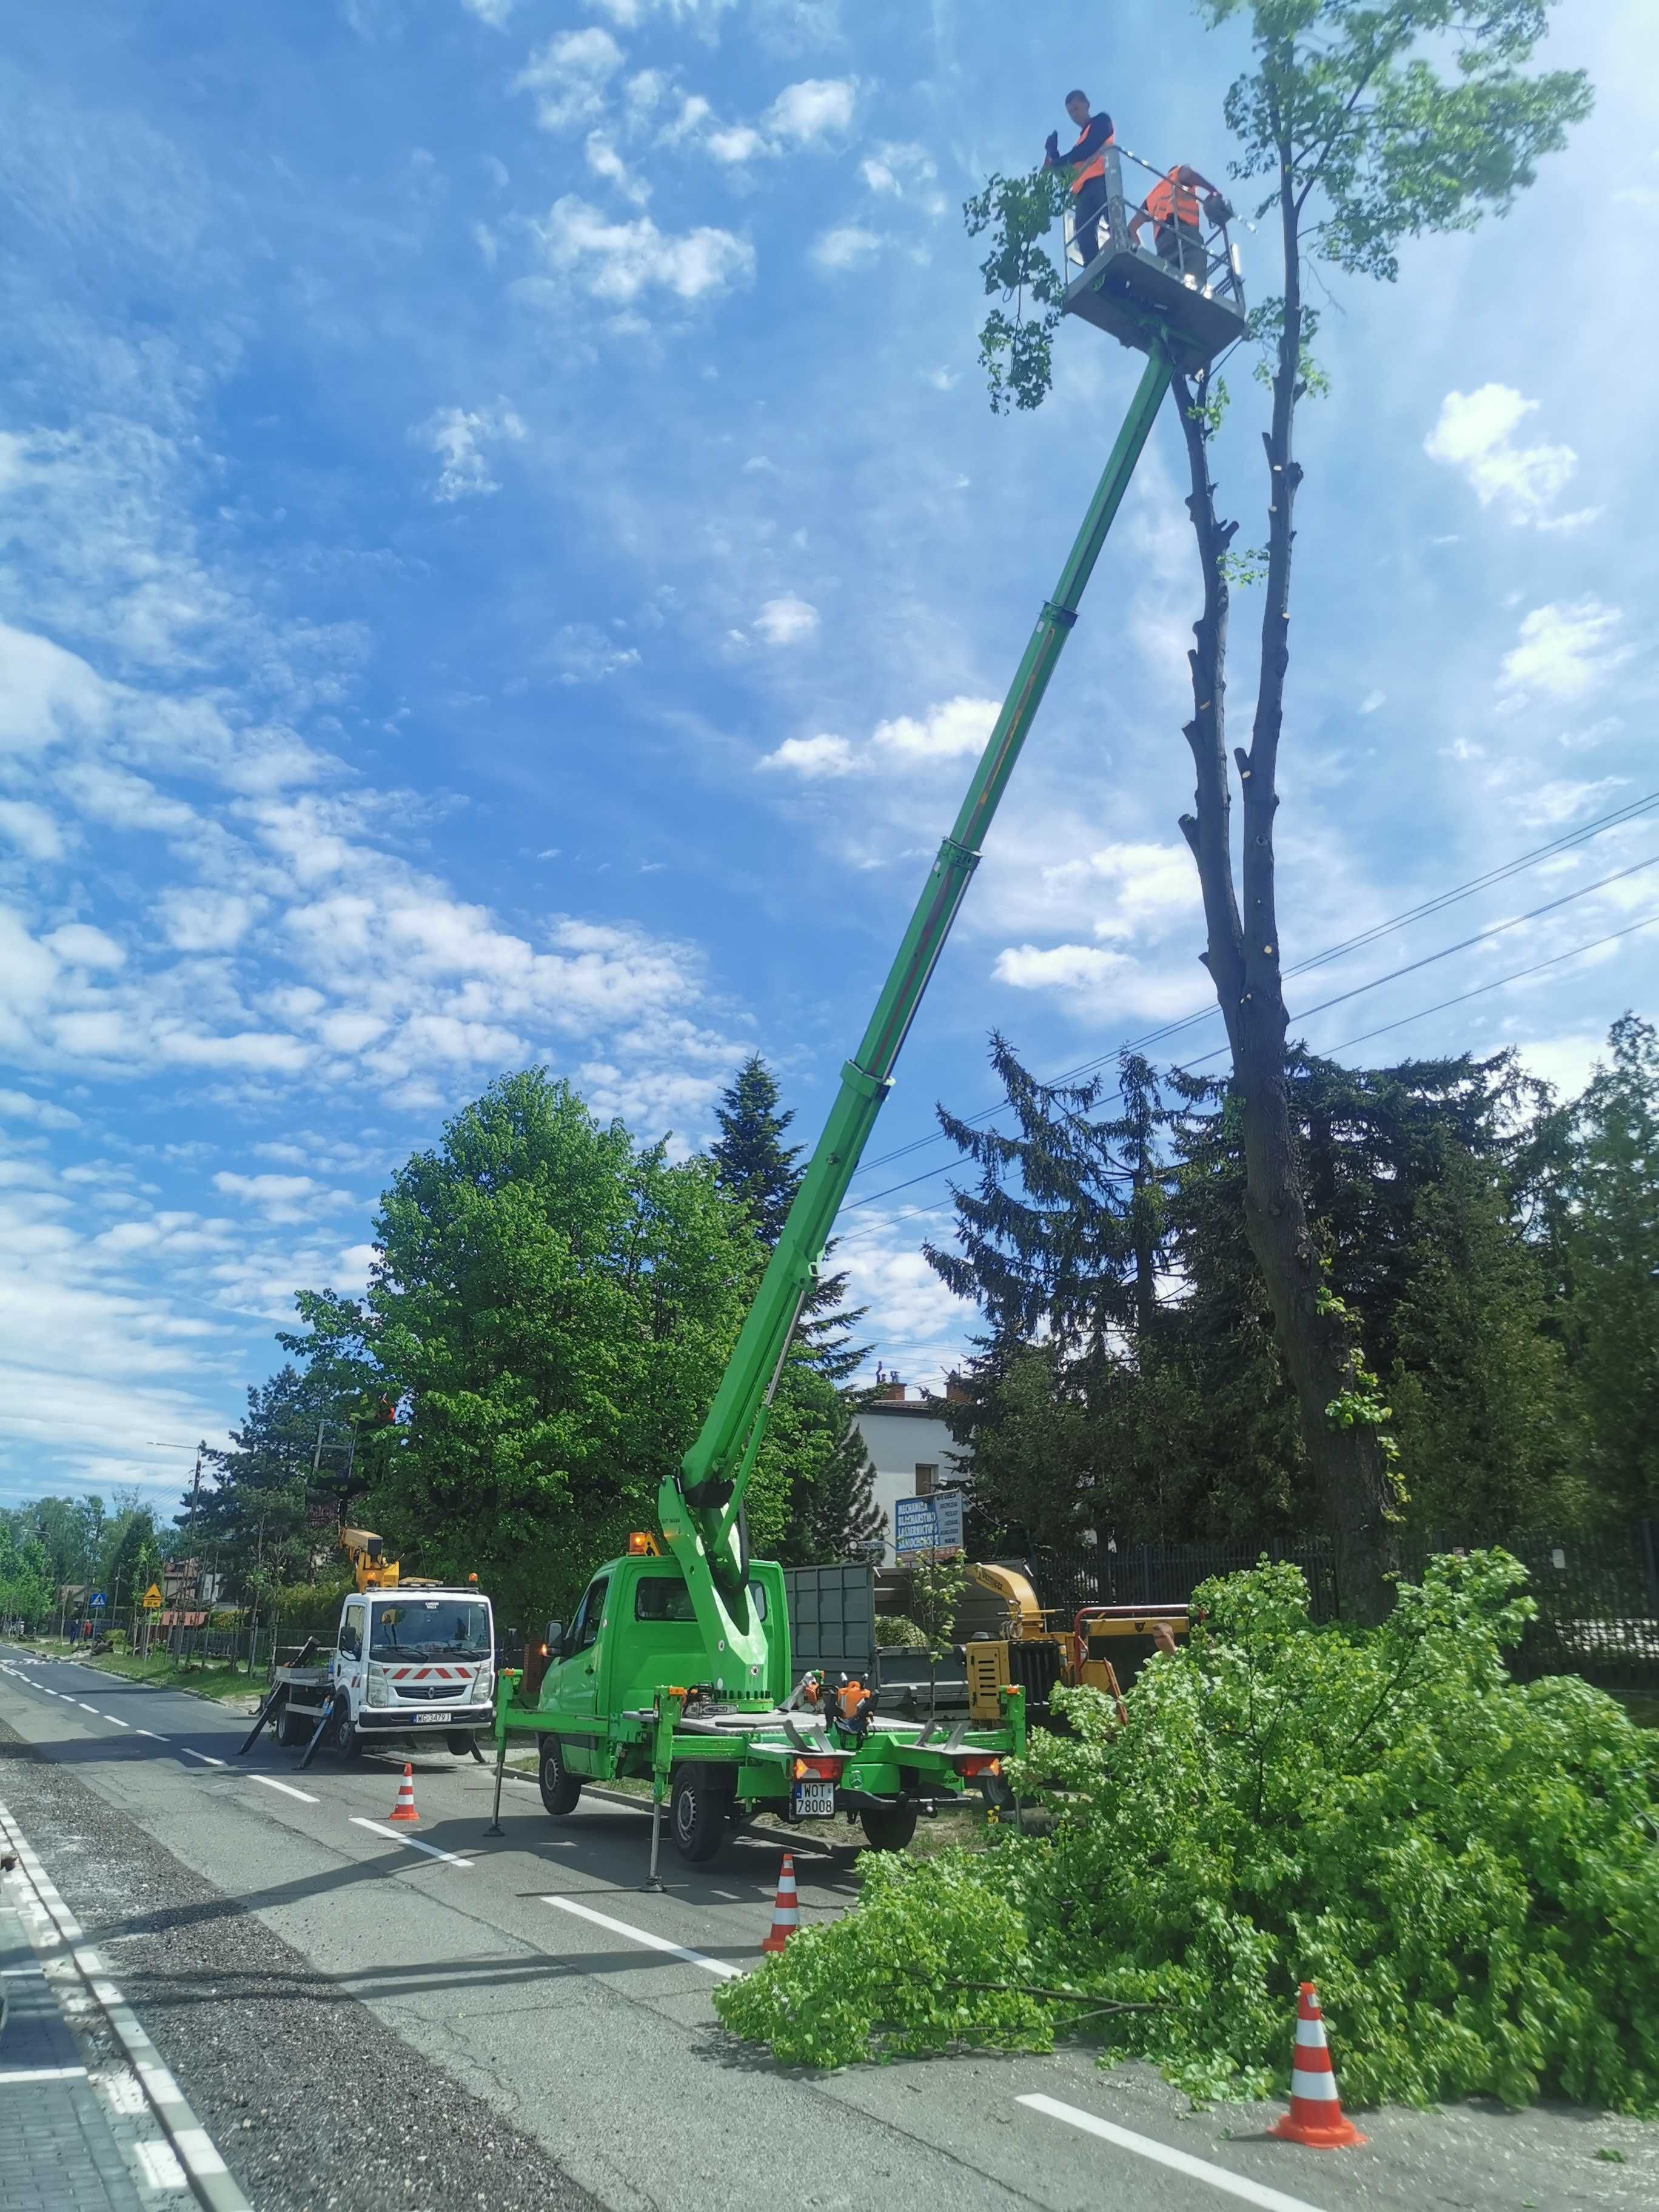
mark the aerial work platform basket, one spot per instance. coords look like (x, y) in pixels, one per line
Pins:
(1178, 282)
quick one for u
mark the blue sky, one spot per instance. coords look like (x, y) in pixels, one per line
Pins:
(504, 557)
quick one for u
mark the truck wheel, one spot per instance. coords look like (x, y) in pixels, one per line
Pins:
(891, 1828)
(293, 1729)
(347, 1737)
(560, 1787)
(458, 1744)
(697, 1812)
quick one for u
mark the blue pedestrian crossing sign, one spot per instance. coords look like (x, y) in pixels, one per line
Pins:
(99, 1598)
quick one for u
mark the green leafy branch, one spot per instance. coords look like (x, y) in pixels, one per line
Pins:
(1017, 350)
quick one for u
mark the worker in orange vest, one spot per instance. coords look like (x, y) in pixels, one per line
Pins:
(1171, 207)
(1086, 162)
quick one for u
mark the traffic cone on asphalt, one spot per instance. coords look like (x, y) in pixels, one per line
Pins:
(786, 1913)
(404, 1808)
(1315, 2114)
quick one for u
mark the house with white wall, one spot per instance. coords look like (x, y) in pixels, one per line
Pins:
(911, 1447)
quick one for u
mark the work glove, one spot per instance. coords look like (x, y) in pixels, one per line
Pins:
(1051, 148)
(1218, 208)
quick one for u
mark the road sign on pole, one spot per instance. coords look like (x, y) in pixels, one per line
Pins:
(152, 1598)
(99, 1598)
(928, 1524)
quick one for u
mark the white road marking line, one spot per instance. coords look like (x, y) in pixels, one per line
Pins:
(110, 1716)
(151, 1733)
(415, 1843)
(206, 1757)
(42, 2073)
(287, 1788)
(86, 1708)
(640, 1935)
(1179, 2161)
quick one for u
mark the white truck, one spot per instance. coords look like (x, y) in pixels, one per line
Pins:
(409, 1662)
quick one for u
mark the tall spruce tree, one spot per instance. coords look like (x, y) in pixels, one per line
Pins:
(1603, 1214)
(813, 1442)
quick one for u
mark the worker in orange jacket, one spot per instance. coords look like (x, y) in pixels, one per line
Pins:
(1086, 162)
(1172, 209)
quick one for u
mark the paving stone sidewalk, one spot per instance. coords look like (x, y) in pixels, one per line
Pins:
(59, 2152)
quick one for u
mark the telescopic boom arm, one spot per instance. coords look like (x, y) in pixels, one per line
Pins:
(700, 1511)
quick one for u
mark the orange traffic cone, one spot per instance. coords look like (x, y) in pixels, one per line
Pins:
(1315, 2114)
(786, 1913)
(404, 1808)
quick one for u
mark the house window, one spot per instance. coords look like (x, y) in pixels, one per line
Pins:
(927, 1478)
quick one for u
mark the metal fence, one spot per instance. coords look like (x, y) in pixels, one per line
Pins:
(1597, 1596)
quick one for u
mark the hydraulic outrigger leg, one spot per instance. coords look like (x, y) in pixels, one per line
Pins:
(700, 1509)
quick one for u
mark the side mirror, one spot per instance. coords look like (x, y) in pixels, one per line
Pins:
(555, 1639)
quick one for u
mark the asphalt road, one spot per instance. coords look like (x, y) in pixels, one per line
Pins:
(361, 2022)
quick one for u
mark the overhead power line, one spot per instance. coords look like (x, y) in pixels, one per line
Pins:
(1614, 818)
(1497, 982)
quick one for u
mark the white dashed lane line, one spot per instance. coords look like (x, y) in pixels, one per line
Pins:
(287, 1788)
(1161, 2154)
(377, 1828)
(727, 1974)
(115, 1719)
(151, 1733)
(206, 1757)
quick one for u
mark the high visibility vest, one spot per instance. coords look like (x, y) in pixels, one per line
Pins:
(1169, 196)
(1098, 166)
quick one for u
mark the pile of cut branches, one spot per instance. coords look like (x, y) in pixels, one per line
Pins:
(1467, 1866)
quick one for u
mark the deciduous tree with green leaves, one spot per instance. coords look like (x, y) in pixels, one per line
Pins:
(1363, 124)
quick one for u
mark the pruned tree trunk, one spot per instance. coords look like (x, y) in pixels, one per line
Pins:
(1242, 953)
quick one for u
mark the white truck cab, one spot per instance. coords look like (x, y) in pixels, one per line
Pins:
(413, 1661)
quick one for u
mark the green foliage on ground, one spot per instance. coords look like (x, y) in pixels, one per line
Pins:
(895, 1631)
(1466, 1866)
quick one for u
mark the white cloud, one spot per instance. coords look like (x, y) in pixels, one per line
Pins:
(738, 142)
(811, 757)
(605, 161)
(1564, 650)
(618, 261)
(1058, 966)
(1551, 805)
(279, 1197)
(893, 167)
(30, 828)
(201, 921)
(18, 1106)
(1373, 701)
(586, 655)
(960, 725)
(1475, 433)
(495, 13)
(846, 245)
(1149, 887)
(813, 109)
(79, 945)
(569, 76)
(46, 695)
(787, 621)
(458, 436)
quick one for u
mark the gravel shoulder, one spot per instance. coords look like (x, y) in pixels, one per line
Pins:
(313, 2103)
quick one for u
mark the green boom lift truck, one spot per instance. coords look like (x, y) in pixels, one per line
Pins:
(677, 1665)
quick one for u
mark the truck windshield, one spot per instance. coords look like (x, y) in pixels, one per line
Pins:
(431, 1628)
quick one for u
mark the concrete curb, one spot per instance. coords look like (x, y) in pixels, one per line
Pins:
(209, 2178)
